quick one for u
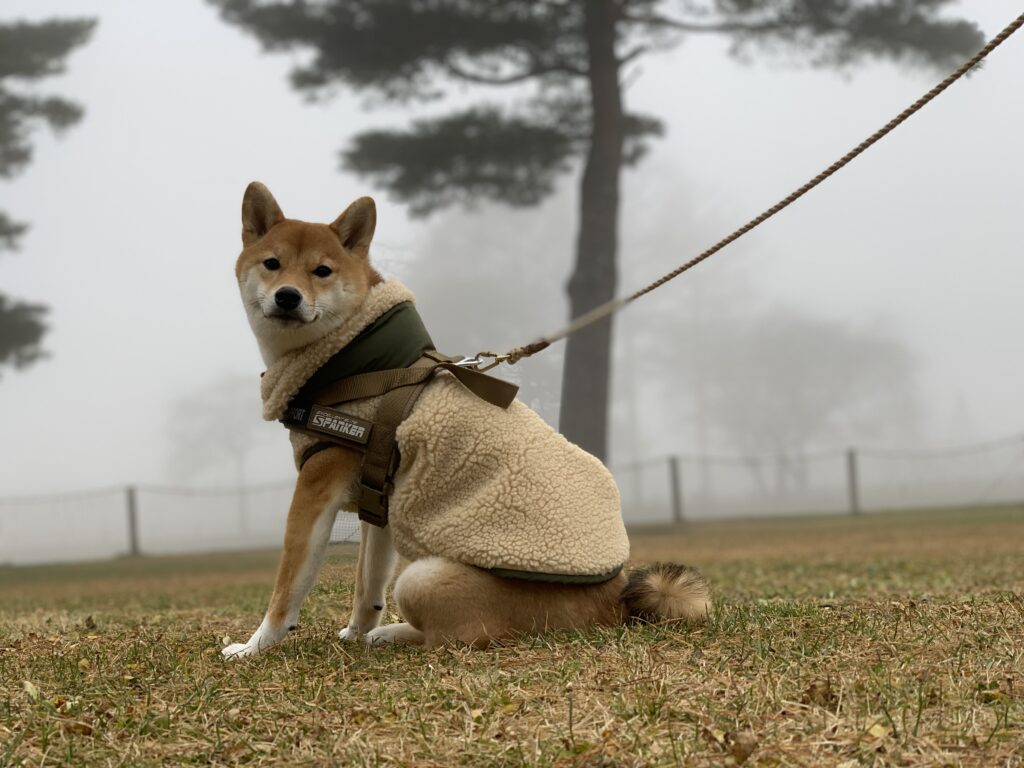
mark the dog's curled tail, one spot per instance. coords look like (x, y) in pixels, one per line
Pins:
(666, 592)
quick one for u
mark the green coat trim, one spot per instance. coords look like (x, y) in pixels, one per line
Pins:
(397, 339)
(556, 578)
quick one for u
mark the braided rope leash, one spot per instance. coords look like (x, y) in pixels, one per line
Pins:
(487, 360)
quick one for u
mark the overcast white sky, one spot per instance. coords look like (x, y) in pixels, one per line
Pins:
(135, 227)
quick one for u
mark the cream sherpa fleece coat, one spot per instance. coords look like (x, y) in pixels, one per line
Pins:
(477, 484)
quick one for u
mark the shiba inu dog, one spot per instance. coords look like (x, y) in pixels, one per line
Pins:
(506, 527)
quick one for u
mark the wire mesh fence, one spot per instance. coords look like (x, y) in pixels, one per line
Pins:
(981, 474)
(172, 520)
(74, 526)
(850, 481)
(149, 520)
(708, 487)
(138, 520)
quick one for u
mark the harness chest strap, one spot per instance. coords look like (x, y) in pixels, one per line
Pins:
(400, 388)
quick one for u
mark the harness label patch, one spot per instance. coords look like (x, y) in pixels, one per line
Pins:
(332, 422)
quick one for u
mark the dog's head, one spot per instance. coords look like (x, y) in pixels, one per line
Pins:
(300, 281)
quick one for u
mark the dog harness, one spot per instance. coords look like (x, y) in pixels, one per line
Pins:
(393, 358)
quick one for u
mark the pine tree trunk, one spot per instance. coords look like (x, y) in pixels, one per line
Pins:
(587, 374)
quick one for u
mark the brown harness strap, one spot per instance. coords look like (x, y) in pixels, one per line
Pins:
(400, 388)
(374, 383)
(380, 462)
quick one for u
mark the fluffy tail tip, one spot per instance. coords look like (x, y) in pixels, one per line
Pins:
(667, 592)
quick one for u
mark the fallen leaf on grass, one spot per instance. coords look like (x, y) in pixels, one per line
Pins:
(714, 735)
(741, 745)
(819, 693)
(993, 697)
(360, 715)
(876, 731)
(77, 726)
(234, 751)
(31, 689)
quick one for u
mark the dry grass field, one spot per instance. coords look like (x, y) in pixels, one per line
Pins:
(887, 640)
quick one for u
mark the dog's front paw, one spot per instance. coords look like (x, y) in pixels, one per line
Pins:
(350, 633)
(265, 637)
(239, 650)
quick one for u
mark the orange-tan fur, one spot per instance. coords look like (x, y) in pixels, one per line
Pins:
(441, 600)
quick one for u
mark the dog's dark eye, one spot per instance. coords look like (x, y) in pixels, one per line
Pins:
(322, 271)
(271, 264)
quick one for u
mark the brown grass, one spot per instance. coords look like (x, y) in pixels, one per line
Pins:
(895, 640)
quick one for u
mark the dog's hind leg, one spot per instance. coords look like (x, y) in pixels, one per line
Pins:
(391, 634)
(447, 601)
(325, 483)
(373, 574)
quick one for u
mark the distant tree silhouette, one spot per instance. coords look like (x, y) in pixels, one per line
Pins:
(780, 380)
(773, 383)
(29, 52)
(213, 428)
(564, 60)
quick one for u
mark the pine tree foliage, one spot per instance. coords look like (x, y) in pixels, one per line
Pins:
(423, 50)
(21, 332)
(29, 52)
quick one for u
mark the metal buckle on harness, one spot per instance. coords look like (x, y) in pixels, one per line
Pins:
(373, 505)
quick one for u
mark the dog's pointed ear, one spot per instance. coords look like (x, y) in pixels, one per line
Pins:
(356, 225)
(260, 212)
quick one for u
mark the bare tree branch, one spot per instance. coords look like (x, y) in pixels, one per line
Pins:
(636, 53)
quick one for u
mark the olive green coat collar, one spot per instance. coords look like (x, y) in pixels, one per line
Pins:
(396, 339)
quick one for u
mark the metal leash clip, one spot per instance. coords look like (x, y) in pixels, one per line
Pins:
(479, 361)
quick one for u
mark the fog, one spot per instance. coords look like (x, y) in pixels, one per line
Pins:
(134, 218)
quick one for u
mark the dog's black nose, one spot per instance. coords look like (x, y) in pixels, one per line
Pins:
(287, 298)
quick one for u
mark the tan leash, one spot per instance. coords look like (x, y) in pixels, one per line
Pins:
(484, 361)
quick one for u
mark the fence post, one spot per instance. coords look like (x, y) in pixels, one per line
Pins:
(675, 480)
(851, 481)
(132, 508)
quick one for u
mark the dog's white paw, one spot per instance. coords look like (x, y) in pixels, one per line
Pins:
(239, 650)
(266, 636)
(391, 634)
(349, 633)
